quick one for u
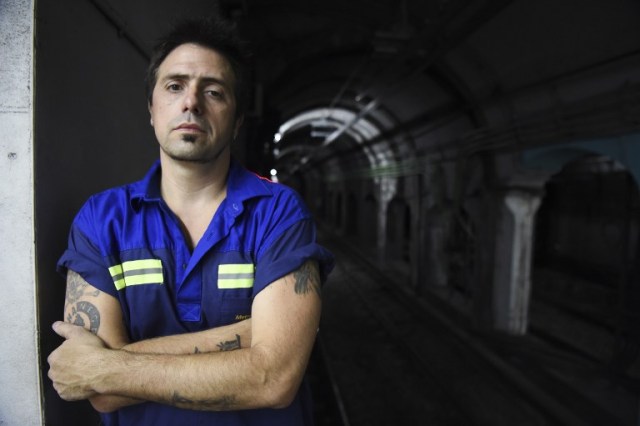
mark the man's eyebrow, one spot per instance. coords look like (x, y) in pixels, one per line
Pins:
(206, 79)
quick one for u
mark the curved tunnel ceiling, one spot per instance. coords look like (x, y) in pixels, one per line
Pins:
(424, 74)
(403, 78)
(320, 129)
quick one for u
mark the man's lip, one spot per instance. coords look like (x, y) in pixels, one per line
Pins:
(189, 126)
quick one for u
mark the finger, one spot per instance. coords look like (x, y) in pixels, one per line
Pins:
(51, 359)
(67, 330)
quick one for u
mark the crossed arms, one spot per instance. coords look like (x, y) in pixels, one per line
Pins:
(255, 363)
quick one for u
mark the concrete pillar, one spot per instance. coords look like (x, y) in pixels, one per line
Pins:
(514, 249)
(387, 190)
(20, 398)
(438, 230)
(381, 225)
(417, 236)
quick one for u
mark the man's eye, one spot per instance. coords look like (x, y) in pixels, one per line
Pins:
(174, 87)
(214, 93)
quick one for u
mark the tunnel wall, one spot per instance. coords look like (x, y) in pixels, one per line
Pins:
(457, 230)
(92, 132)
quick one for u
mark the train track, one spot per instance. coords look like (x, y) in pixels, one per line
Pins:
(395, 359)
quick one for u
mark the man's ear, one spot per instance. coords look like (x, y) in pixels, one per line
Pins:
(150, 115)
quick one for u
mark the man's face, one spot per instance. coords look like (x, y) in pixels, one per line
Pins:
(193, 105)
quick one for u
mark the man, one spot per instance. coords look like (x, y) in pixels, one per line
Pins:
(164, 274)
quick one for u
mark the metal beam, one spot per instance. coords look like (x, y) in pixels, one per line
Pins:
(112, 15)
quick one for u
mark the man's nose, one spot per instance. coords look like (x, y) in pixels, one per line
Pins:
(192, 101)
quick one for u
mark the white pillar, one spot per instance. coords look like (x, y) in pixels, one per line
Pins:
(513, 261)
(20, 398)
(438, 259)
(387, 188)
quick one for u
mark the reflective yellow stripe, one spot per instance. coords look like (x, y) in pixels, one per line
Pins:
(236, 268)
(144, 279)
(115, 270)
(136, 272)
(120, 284)
(235, 275)
(118, 277)
(134, 265)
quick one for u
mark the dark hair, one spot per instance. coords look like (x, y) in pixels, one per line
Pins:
(214, 33)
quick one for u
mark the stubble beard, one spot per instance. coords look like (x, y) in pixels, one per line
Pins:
(195, 157)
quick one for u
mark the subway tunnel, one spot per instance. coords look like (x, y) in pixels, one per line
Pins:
(473, 165)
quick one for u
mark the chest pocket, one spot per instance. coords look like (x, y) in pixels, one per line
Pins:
(235, 284)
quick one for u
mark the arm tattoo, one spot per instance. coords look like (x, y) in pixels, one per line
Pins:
(87, 310)
(223, 403)
(81, 312)
(230, 345)
(77, 286)
(307, 279)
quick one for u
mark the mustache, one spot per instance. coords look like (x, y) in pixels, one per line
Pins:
(189, 118)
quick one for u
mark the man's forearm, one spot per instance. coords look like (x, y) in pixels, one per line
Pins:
(225, 338)
(211, 381)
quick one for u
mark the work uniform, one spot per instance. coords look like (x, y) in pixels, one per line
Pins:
(126, 242)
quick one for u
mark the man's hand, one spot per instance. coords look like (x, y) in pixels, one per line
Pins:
(75, 363)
